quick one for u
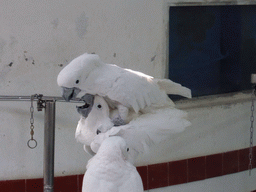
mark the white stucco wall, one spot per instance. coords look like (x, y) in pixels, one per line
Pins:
(38, 38)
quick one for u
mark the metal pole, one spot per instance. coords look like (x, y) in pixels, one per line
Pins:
(49, 135)
(28, 98)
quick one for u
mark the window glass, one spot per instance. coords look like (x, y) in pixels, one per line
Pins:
(212, 49)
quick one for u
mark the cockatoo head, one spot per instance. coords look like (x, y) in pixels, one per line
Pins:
(75, 74)
(95, 119)
(98, 118)
(95, 107)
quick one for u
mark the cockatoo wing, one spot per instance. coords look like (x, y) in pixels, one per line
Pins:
(173, 88)
(147, 129)
(126, 87)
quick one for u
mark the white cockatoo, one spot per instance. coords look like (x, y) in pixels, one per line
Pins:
(142, 131)
(94, 117)
(109, 171)
(123, 89)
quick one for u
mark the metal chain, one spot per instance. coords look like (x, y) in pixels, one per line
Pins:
(251, 130)
(32, 143)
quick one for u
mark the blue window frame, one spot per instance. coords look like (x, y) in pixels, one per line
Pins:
(212, 49)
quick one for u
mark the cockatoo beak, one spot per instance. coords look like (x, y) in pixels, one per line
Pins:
(87, 107)
(70, 93)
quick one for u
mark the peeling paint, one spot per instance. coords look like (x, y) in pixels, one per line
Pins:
(29, 58)
(26, 59)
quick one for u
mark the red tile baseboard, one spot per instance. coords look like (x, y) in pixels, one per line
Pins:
(153, 176)
(12, 185)
(214, 167)
(178, 172)
(158, 175)
(196, 169)
(230, 162)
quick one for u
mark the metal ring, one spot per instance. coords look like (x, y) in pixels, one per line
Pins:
(29, 143)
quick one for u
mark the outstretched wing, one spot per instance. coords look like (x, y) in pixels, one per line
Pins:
(147, 129)
(154, 128)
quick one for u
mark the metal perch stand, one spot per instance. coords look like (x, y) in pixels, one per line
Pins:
(49, 137)
(48, 103)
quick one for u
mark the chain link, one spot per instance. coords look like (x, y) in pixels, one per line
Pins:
(251, 130)
(32, 143)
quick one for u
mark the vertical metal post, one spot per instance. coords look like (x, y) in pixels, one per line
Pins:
(49, 135)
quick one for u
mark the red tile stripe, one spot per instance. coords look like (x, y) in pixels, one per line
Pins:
(154, 176)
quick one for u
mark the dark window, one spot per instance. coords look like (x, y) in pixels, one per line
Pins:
(212, 49)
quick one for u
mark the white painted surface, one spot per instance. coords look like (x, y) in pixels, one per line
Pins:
(38, 38)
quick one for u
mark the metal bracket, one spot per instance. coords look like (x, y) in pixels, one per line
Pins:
(40, 102)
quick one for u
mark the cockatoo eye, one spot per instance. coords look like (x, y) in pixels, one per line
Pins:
(99, 106)
(77, 81)
(128, 149)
